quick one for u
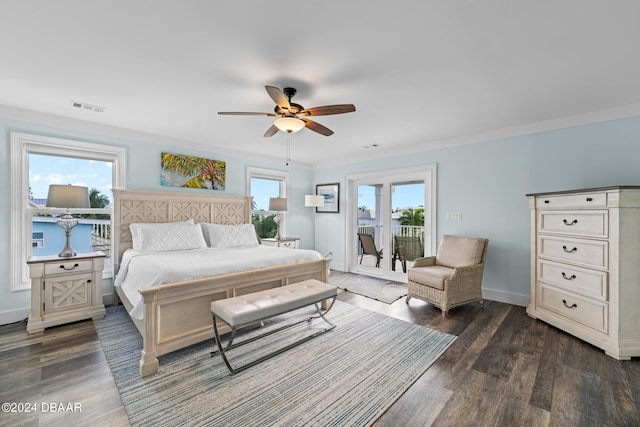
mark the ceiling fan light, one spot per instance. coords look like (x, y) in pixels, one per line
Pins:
(289, 124)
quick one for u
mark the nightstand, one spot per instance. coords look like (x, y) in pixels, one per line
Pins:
(285, 242)
(64, 290)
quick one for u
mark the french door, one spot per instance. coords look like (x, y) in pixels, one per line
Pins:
(385, 204)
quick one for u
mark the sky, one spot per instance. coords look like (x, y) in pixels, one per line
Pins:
(45, 170)
(404, 196)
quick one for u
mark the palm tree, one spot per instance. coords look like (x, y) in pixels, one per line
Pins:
(200, 171)
(98, 200)
(413, 217)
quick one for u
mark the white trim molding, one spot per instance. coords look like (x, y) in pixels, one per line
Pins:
(23, 144)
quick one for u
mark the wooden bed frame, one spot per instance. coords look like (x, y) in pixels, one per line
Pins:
(177, 315)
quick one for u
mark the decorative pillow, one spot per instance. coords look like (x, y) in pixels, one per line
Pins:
(159, 227)
(229, 236)
(181, 237)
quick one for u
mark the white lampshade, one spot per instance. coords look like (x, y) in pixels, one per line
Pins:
(314, 201)
(68, 196)
(278, 204)
(289, 124)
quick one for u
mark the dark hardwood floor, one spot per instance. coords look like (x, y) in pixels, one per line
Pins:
(505, 369)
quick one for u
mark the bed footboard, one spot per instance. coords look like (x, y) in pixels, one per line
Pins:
(178, 315)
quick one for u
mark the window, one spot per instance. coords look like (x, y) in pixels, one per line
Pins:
(37, 239)
(262, 185)
(32, 220)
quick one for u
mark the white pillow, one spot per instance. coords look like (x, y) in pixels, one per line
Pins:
(229, 236)
(159, 227)
(181, 237)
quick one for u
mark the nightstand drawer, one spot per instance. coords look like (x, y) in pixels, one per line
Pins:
(588, 223)
(584, 200)
(572, 306)
(590, 253)
(71, 266)
(583, 281)
(287, 242)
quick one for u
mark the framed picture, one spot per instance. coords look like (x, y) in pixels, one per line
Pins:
(331, 194)
(178, 170)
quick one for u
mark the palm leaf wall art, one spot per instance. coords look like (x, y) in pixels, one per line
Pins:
(178, 170)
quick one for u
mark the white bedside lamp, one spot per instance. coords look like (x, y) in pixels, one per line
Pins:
(69, 197)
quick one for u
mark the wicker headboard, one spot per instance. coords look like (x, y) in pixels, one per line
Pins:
(159, 206)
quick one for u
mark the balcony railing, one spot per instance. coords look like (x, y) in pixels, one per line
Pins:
(101, 236)
(396, 230)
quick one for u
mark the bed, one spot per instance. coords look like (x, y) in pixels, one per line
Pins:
(174, 315)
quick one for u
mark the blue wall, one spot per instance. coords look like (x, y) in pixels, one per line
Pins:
(143, 173)
(486, 181)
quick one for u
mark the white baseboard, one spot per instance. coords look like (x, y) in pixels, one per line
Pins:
(21, 314)
(506, 297)
(336, 266)
(14, 316)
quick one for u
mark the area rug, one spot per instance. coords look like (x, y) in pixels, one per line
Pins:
(383, 290)
(346, 377)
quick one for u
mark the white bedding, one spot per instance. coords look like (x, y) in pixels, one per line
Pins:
(139, 270)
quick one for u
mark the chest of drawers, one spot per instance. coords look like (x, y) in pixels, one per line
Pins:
(585, 265)
(64, 290)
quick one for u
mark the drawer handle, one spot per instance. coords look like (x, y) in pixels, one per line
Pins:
(574, 305)
(69, 269)
(546, 201)
(575, 221)
(569, 251)
(573, 276)
(589, 199)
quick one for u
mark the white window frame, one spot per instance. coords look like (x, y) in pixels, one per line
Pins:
(23, 144)
(276, 175)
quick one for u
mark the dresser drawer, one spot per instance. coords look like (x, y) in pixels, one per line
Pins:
(588, 223)
(592, 313)
(584, 200)
(68, 267)
(583, 281)
(589, 253)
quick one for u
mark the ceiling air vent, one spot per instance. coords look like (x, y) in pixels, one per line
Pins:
(85, 106)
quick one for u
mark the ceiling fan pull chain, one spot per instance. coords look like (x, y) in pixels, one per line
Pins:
(288, 149)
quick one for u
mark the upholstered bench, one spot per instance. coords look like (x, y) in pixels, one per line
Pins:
(256, 307)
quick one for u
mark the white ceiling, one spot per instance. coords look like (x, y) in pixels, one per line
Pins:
(421, 73)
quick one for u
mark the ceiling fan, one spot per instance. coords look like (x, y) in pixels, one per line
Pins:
(292, 116)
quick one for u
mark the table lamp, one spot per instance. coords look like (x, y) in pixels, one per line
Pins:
(69, 197)
(278, 204)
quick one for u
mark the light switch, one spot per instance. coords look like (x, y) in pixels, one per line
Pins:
(454, 216)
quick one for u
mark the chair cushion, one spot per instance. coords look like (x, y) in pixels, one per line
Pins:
(433, 276)
(457, 251)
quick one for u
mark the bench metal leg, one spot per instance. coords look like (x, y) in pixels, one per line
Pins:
(221, 349)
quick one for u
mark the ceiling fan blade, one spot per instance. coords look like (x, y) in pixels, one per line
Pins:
(231, 113)
(317, 127)
(329, 109)
(271, 131)
(278, 97)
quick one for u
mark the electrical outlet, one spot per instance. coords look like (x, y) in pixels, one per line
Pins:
(454, 216)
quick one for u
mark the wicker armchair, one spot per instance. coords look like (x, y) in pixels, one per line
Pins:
(451, 278)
